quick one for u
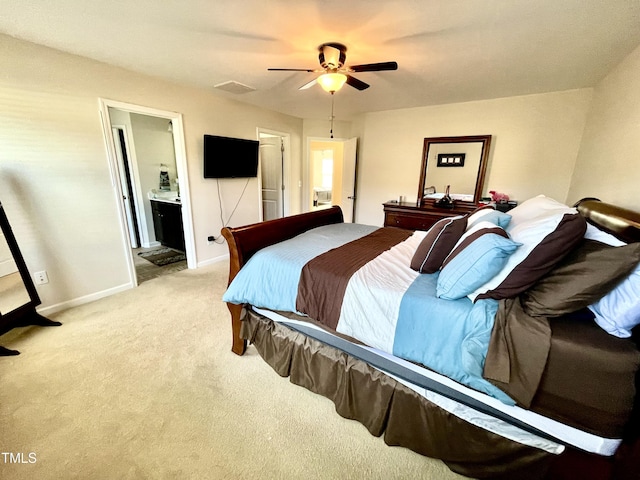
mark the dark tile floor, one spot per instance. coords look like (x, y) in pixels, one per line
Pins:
(146, 270)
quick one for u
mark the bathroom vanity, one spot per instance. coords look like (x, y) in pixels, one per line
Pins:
(167, 223)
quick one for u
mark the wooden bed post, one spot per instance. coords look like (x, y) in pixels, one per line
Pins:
(239, 345)
(243, 242)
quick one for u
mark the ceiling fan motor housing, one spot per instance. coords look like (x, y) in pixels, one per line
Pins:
(332, 55)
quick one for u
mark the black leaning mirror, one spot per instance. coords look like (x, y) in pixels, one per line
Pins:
(18, 295)
(460, 162)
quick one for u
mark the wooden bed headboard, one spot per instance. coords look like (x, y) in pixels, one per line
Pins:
(245, 241)
(620, 222)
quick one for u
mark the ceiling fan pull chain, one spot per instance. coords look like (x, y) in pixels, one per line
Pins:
(331, 130)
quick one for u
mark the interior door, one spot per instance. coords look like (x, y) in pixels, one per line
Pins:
(349, 179)
(271, 173)
(126, 185)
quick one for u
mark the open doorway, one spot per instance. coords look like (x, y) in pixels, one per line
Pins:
(332, 174)
(148, 164)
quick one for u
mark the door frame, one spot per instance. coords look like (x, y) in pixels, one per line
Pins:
(286, 172)
(181, 167)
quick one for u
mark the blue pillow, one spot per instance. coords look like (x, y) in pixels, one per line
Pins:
(474, 262)
(489, 215)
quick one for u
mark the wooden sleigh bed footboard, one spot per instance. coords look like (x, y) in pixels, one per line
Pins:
(245, 241)
(510, 459)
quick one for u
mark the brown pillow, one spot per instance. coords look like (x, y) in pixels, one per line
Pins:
(440, 240)
(581, 278)
(545, 241)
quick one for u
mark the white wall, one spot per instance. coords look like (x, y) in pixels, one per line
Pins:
(55, 183)
(608, 165)
(535, 143)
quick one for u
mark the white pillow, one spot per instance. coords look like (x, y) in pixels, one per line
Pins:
(594, 233)
(619, 310)
(536, 207)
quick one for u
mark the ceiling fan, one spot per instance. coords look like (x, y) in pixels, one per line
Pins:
(334, 74)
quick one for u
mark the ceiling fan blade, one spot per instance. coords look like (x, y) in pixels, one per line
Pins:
(291, 70)
(308, 84)
(374, 67)
(355, 83)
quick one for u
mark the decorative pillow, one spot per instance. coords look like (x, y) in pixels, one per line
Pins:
(540, 206)
(437, 244)
(619, 311)
(584, 276)
(488, 214)
(546, 237)
(478, 256)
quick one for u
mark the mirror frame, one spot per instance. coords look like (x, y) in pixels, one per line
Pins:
(482, 167)
(34, 299)
(25, 314)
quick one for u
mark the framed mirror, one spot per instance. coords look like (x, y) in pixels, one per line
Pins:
(458, 162)
(18, 295)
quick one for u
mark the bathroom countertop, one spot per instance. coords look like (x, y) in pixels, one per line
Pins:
(166, 197)
(175, 201)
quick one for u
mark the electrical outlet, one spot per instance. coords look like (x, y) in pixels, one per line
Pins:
(41, 277)
(211, 239)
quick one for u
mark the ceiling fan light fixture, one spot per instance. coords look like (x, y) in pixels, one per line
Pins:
(332, 82)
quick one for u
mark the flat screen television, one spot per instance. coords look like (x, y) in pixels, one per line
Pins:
(226, 157)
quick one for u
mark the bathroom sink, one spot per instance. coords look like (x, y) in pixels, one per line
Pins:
(171, 196)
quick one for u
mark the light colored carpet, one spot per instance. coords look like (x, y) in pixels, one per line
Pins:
(143, 385)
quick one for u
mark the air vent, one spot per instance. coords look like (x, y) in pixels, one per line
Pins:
(234, 87)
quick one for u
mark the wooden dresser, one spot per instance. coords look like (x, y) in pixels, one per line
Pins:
(412, 217)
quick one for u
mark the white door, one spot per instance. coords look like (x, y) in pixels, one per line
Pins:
(126, 184)
(349, 178)
(271, 173)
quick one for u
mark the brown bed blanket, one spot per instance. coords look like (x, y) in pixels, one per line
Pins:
(518, 351)
(566, 368)
(324, 279)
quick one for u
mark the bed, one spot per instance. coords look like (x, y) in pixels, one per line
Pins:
(513, 377)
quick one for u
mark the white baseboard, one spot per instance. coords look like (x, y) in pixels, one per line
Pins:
(211, 261)
(82, 300)
(76, 302)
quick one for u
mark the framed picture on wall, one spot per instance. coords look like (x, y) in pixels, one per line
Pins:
(451, 159)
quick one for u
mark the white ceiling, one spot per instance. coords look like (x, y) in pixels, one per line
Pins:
(447, 50)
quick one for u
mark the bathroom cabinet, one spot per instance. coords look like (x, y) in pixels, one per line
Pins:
(167, 224)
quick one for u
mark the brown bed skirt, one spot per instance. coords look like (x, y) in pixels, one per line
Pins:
(387, 407)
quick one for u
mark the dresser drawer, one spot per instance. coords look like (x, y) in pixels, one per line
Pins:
(412, 217)
(410, 222)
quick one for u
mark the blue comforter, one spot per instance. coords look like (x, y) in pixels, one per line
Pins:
(387, 305)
